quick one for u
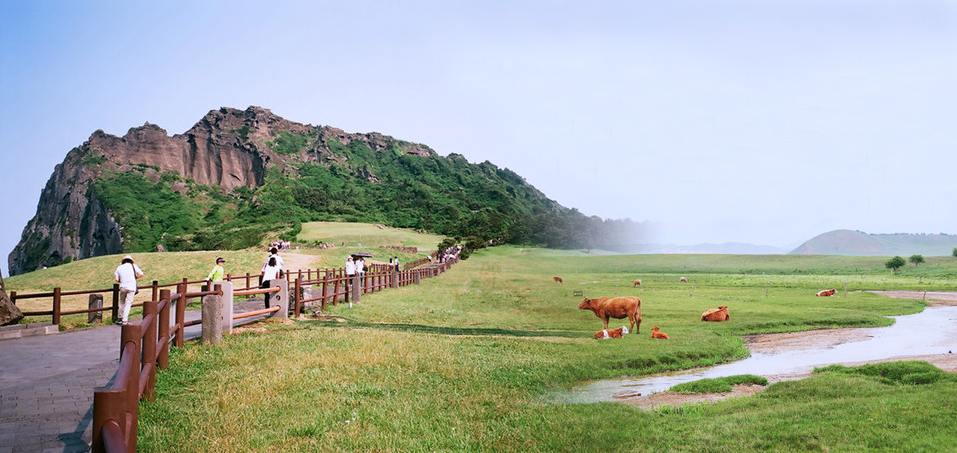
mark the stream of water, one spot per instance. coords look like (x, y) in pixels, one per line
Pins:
(932, 331)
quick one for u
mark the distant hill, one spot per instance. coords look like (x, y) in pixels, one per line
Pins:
(859, 243)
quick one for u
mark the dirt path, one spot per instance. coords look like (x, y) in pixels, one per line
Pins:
(294, 261)
(781, 342)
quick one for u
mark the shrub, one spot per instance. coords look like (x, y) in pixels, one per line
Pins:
(895, 263)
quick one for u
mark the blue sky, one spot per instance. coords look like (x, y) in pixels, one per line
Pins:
(751, 121)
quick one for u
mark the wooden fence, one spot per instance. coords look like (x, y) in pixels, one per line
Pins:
(145, 346)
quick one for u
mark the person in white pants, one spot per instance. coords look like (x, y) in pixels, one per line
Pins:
(126, 274)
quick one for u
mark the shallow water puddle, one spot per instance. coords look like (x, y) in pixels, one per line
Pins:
(932, 331)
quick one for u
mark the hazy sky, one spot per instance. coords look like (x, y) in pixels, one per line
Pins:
(766, 121)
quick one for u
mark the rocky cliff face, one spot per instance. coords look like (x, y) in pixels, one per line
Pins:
(228, 148)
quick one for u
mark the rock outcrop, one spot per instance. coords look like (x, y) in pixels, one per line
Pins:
(227, 149)
(9, 313)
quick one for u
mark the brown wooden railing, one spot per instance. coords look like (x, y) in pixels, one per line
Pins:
(145, 346)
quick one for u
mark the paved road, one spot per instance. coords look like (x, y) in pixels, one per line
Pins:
(47, 383)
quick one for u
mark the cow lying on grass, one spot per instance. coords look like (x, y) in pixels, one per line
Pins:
(558, 280)
(716, 314)
(615, 307)
(656, 334)
(826, 293)
(636, 284)
(613, 333)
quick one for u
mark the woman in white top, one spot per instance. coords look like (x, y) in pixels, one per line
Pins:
(271, 272)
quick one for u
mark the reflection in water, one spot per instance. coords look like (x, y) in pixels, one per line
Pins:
(933, 331)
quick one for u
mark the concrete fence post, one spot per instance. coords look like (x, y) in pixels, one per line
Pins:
(212, 319)
(227, 301)
(96, 303)
(281, 298)
(356, 289)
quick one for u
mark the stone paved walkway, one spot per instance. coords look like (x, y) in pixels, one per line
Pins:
(47, 384)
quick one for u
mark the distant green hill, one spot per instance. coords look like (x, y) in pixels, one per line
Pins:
(849, 242)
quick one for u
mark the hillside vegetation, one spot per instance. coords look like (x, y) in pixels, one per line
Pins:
(237, 177)
(470, 361)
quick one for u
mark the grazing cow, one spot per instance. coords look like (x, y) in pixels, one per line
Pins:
(615, 307)
(716, 314)
(683, 279)
(827, 293)
(636, 284)
(613, 333)
(558, 279)
(656, 334)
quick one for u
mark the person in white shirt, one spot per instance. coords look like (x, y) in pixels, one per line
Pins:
(270, 272)
(126, 274)
(350, 273)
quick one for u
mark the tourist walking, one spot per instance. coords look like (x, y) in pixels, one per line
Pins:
(126, 274)
(270, 272)
(216, 274)
(350, 275)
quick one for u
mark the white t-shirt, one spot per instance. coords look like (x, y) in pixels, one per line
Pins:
(350, 268)
(278, 262)
(271, 273)
(126, 273)
(360, 266)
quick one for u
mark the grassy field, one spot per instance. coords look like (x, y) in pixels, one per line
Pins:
(97, 273)
(466, 361)
(372, 236)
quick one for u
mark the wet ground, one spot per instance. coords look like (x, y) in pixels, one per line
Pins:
(930, 336)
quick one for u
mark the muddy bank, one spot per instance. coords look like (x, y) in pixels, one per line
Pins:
(777, 343)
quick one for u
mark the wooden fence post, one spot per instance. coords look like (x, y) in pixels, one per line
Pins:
(155, 287)
(325, 284)
(115, 310)
(150, 330)
(163, 360)
(180, 315)
(298, 289)
(56, 306)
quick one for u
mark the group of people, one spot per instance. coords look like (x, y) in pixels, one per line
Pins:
(447, 254)
(128, 272)
(280, 245)
(326, 245)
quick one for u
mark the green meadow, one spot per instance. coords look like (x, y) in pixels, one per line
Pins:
(467, 362)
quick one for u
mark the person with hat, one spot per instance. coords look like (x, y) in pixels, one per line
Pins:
(216, 275)
(126, 274)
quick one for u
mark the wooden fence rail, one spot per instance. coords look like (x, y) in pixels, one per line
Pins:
(145, 346)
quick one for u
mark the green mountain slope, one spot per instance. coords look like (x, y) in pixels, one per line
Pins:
(848, 242)
(239, 177)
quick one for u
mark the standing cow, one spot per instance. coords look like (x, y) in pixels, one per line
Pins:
(637, 283)
(683, 279)
(615, 307)
(558, 280)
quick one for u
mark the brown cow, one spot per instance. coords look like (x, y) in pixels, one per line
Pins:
(826, 293)
(636, 284)
(716, 314)
(656, 334)
(611, 333)
(558, 279)
(683, 279)
(615, 307)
